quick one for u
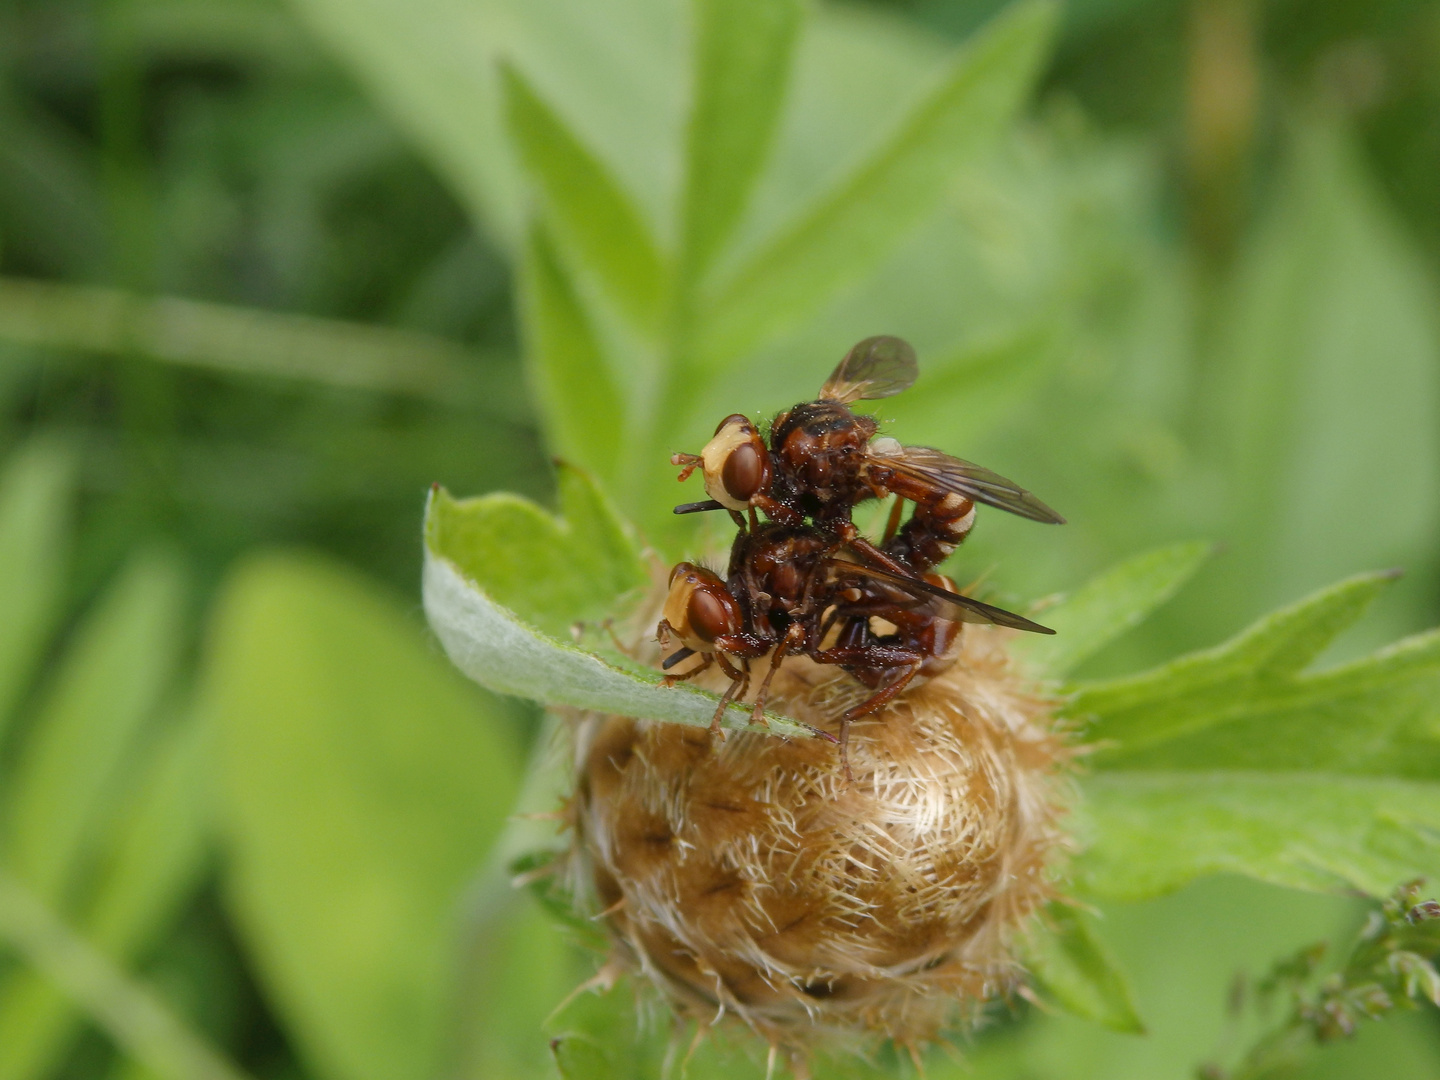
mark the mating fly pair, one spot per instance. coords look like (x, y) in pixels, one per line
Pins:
(807, 581)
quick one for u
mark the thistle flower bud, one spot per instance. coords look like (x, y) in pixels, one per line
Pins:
(750, 878)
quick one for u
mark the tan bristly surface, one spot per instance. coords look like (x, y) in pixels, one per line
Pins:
(750, 878)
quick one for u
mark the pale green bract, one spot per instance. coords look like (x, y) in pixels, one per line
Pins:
(501, 545)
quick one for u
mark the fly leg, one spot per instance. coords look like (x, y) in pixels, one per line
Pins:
(884, 657)
(677, 657)
(850, 536)
(794, 637)
(739, 683)
(892, 523)
(881, 697)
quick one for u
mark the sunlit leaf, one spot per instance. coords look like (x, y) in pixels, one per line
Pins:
(149, 866)
(1324, 404)
(584, 416)
(549, 570)
(71, 768)
(363, 785)
(594, 221)
(856, 224)
(1108, 605)
(1203, 688)
(126, 1011)
(468, 553)
(1071, 968)
(246, 341)
(1379, 715)
(1154, 831)
(742, 58)
(1238, 760)
(34, 530)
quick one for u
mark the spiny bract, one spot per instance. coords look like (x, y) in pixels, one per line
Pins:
(751, 879)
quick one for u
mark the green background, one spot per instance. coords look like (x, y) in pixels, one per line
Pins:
(266, 274)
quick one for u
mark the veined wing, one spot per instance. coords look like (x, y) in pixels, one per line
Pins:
(952, 605)
(942, 472)
(877, 367)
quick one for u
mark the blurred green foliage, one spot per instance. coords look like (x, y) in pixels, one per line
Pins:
(265, 271)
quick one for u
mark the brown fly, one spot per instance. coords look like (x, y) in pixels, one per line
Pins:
(790, 589)
(822, 458)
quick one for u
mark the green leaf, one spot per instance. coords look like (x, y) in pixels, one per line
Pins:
(861, 220)
(592, 219)
(1206, 688)
(127, 1012)
(518, 969)
(980, 381)
(493, 543)
(363, 784)
(596, 1037)
(584, 415)
(244, 341)
(1379, 715)
(108, 685)
(1237, 760)
(1152, 832)
(1323, 408)
(1071, 968)
(149, 867)
(743, 52)
(551, 571)
(603, 1036)
(1108, 605)
(34, 531)
(432, 67)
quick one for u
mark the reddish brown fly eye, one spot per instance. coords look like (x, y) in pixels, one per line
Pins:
(746, 471)
(733, 418)
(711, 614)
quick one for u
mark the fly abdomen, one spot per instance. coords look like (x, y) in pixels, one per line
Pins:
(934, 531)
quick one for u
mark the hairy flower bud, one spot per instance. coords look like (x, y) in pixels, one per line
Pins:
(751, 878)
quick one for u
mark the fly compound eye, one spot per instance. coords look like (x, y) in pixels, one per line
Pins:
(733, 485)
(711, 612)
(746, 472)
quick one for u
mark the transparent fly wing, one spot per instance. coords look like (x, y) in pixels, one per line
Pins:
(944, 602)
(942, 472)
(877, 367)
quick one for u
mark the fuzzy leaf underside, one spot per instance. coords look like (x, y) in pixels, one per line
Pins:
(479, 551)
(502, 653)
